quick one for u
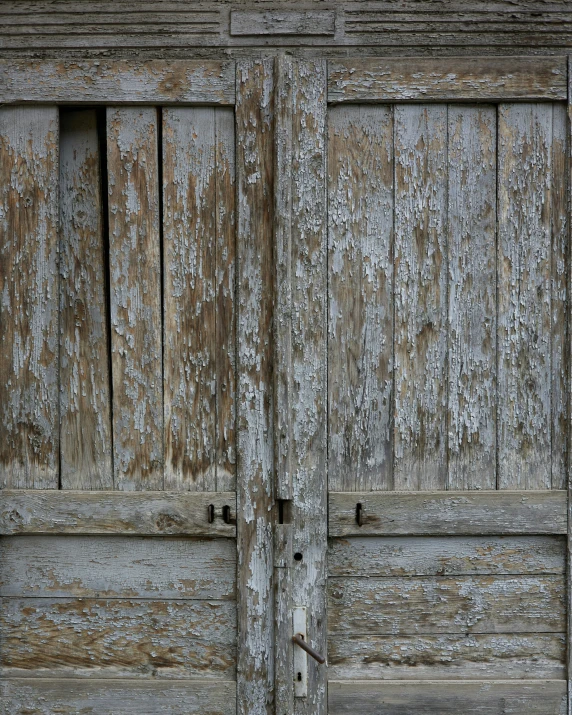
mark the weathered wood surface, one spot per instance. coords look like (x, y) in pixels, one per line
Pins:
(225, 307)
(560, 354)
(503, 655)
(189, 309)
(198, 298)
(446, 604)
(525, 289)
(509, 697)
(308, 399)
(117, 638)
(117, 82)
(379, 27)
(29, 400)
(282, 334)
(85, 409)
(446, 556)
(275, 22)
(255, 488)
(117, 567)
(360, 321)
(143, 513)
(458, 79)
(448, 513)
(117, 697)
(421, 284)
(472, 291)
(135, 287)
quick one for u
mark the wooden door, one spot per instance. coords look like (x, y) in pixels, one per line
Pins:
(285, 350)
(132, 207)
(427, 392)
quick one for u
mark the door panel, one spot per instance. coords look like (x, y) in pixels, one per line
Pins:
(446, 335)
(120, 581)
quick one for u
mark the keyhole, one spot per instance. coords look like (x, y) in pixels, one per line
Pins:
(299, 677)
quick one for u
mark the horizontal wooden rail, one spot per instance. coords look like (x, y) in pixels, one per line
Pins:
(447, 513)
(451, 79)
(127, 513)
(534, 697)
(117, 82)
(130, 697)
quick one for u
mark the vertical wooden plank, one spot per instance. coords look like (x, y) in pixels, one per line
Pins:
(568, 206)
(420, 460)
(29, 352)
(85, 410)
(309, 343)
(472, 297)
(225, 167)
(524, 296)
(283, 561)
(559, 289)
(360, 327)
(254, 161)
(135, 283)
(189, 260)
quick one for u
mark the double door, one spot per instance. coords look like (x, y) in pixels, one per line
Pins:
(285, 355)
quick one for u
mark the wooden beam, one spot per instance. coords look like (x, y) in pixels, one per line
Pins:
(126, 513)
(274, 22)
(448, 513)
(129, 697)
(116, 82)
(462, 79)
(501, 697)
(255, 419)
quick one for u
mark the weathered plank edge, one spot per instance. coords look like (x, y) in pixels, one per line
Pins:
(411, 79)
(127, 696)
(569, 455)
(126, 513)
(117, 82)
(448, 513)
(366, 697)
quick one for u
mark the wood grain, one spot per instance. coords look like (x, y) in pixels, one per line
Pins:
(117, 567)
(190, 273)
(446, 604)
(118, 697)
(85, 409)
(447, 79)
(113, 638)
(137, 513)
(254, 161)
(472, 297)
(503, 655)
(225, 162)
(524, 295)
(282, 335)
(420, 433)
(448, 513)
(360, 322)
(446, 556)
(29, 375)
(560, 354)
(275, 22)
(117, 82)
(135, 283)
(508, 697)
(309, 343)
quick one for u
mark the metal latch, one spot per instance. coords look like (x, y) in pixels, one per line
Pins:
(301, 653)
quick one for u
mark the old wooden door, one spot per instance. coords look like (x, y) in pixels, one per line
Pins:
(285, 350)
(127, 388)
(421, 384)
